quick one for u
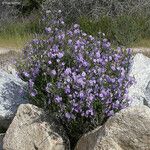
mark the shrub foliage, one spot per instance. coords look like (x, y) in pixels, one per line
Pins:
(80, 79)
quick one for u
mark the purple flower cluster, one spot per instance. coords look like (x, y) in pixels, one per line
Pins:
(74, 73)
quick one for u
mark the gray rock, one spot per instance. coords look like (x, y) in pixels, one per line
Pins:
(32, 129)
(12, 94)
(140, 70)
(127, 130)
(147, 94)
(1, 140)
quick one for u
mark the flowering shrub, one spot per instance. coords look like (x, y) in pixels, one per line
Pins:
(78, 77)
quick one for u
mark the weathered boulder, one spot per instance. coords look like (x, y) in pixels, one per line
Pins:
(127, 130)
(140, 70)
(32, 129)
(12, 94)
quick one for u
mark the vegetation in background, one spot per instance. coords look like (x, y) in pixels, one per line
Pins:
(17, 32)
(2, 130)
(72, 9)
(123, 22)
(79, 78)
(123, 30)
(28, 6)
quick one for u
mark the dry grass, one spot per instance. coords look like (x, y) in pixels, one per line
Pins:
(14, 42)
(145, 43)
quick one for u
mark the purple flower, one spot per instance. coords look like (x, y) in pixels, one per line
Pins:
(91, 97)
(80, 81)
(31, 83)
(105, 40)
(113, 68)
(91, 37)
(106, 45)
(67, 89)
(70, 33)
(128, 50)
(53, 72)
(48, 30)
(76, 26)
(77, 31)
(58, 99)
(81, 94)
(89, 112)
(49, 62)
(26, 74)
(83, 74)
(68, 79)
(33, 93)
(78, 75)
(59, 84)
(55, 48)
(61, 36)
(67, 115)
(110, 113)
(62, 22)
(69, 41)
(98, 54)
(67, 71)
(84, 34)
(116, 105)
(36, 41)
(60, 55)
